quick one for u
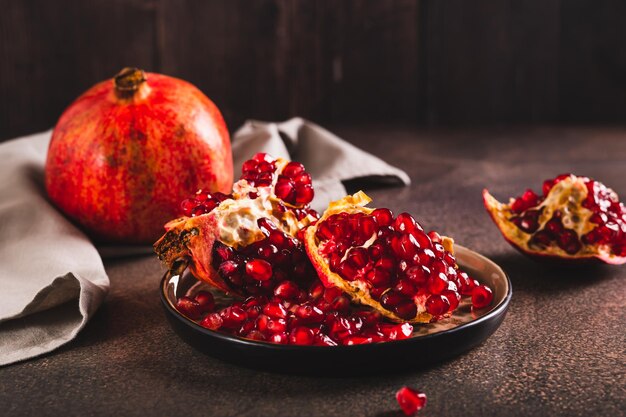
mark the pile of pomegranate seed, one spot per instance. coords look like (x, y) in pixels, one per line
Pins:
(321, 316)
(399, 263)
(260, 266)
(608, 214)
(202, 202)
(410, 400)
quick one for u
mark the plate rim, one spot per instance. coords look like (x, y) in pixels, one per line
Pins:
(500, 308)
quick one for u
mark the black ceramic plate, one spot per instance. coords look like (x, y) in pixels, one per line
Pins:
(429, 344)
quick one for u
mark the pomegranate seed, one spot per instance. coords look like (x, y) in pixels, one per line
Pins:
(481, 296)
(386, 263)
(266, 225)
(423, 240)
(405, 223)
(316, 291)
(554, 226)
(341, 304)
(259, 269)
(568, 241)
(391, 299)
(370, 318)
(396, 331)
(439, 250)
(287, 290)
(378, 277)
(233, 316)
(205, 300)
(434, 236)
(330, 294)
(406, 311)
(228, 268)
(303, 178)
(467, 284)
(293, 169)
(418, 274)
(453, 298)
(406, 288)
(367, 227)
(279, 338)
(301, 336)
(309, 314)
(276, 326)
(424, 257)
(410, 400)
(437, 305)
(285, 189)
(249, 166)
(304, 194)
(187, 205)
(212, 321)
(275, 310)
(437, 283)
(189, 307)
(541, 238)
(383, 216)
(255, 335)
(358, 257)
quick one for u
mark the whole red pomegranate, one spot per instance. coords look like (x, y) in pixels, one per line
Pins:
(128, 150)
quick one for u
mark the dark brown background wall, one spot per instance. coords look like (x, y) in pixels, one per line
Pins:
(431, 62)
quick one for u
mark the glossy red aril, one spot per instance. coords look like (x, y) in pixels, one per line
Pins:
(127, 151)
(322, 317)
(387, 263)
(245, 242)
(410, 400)
(575, 219)
(481, 296)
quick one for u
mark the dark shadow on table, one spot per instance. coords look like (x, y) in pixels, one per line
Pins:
(532, 276)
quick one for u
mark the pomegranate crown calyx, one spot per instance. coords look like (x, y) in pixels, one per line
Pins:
(128, 81)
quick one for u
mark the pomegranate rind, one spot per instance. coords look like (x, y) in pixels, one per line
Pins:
(357, 290)
(567, 195)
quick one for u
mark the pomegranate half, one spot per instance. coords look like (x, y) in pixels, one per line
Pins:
(575, 219)
(387, 263)
(128, 150)
(246, 243)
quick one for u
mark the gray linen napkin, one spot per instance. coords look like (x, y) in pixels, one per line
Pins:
(51, 276)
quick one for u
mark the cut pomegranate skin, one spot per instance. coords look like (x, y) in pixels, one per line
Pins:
(389, 264)
(245, 242)
(576, 220)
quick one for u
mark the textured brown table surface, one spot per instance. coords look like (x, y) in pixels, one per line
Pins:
(559, 352)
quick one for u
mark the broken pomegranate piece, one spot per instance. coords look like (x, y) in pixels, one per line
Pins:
(246, 242)
(390, 264)
(410, 400)
(575, 218)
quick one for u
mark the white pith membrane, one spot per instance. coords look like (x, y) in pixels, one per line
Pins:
(233, 222)
(359, 290)
(565, 196)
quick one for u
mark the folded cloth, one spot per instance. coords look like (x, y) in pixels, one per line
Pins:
(52, 279)
(329, 159)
